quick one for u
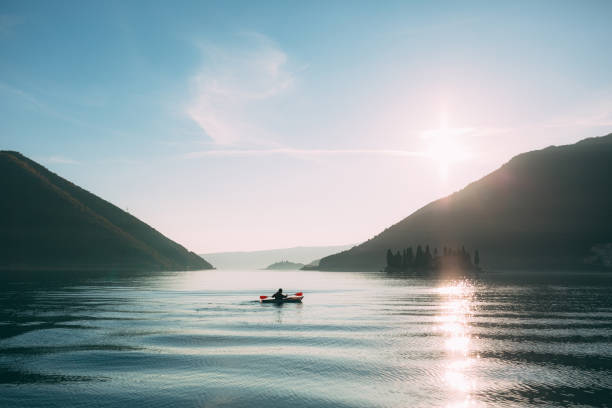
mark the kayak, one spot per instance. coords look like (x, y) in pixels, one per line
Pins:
(288, 299)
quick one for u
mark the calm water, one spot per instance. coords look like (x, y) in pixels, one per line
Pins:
(199, 339)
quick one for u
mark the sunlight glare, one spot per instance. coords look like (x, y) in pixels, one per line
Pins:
(453, 323)
(446, 146)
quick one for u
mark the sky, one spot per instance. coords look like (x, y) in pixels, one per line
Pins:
(252, 125)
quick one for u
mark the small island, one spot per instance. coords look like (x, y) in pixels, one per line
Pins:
(426, 262)
(284, 266)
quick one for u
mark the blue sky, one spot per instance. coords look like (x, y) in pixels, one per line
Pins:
(251, 125)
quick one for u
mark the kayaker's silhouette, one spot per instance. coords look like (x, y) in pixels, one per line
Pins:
(279, 294)
(279, 298)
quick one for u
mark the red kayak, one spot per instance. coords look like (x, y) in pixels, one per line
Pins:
(296, 298)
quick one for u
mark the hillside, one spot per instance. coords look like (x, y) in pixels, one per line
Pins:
(546, 209)
(48, 223)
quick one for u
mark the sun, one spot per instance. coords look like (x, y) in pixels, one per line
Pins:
(446, 146)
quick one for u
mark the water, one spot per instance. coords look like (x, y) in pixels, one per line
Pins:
(200, 339)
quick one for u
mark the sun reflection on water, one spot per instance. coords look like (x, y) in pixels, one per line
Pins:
(453, 323)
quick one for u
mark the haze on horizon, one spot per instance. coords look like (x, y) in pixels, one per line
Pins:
(235, 126)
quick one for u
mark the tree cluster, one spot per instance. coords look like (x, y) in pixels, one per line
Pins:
(420, 260)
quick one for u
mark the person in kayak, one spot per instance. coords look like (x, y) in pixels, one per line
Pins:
(279, 295)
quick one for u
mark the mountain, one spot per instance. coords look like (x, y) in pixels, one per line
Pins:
(48, 223)
(545, 209)
(285, 266)
(261, 259)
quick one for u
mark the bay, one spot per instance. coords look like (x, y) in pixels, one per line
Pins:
(202, 339)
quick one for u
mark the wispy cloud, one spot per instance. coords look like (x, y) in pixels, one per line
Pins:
(38, 104)
(59, 160)
(233, 83)
(30, 99)
(595, 113)
(303, 152)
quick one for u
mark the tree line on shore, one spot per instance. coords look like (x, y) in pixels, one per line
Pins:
(425, 259)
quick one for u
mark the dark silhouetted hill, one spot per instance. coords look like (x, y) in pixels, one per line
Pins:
(546, 209)
(48, 223)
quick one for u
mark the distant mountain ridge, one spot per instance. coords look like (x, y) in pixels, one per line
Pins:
(284, 266)
(263, 258)
(545, 209)
(48, 223)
